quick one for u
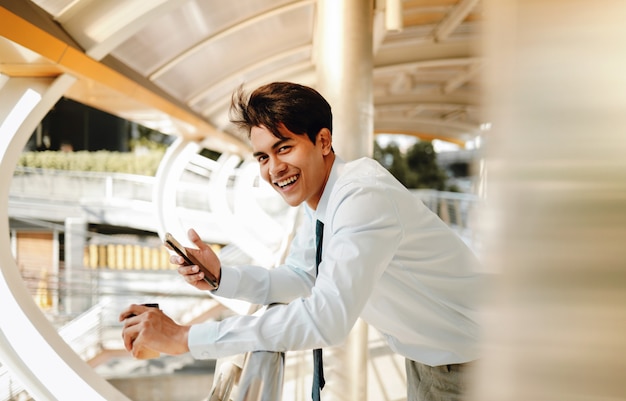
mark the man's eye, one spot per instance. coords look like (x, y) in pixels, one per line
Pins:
(283, 149)
(261, 158)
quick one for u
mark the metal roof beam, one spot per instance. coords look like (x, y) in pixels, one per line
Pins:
(454, 19)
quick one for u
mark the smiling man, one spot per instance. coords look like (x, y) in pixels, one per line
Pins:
(368, 248)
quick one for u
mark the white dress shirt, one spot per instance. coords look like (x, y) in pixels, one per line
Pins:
(386, 258)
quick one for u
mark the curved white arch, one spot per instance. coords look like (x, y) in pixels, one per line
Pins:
(29, 345)
(164, 193)
(263, 233)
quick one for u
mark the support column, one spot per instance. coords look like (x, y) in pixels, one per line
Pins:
(344, 66)
(344, 73)
(78, 279)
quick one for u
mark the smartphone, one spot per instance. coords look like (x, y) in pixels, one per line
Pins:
(171, 243)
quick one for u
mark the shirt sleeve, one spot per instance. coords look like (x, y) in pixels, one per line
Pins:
(360, 238)
(282, 284)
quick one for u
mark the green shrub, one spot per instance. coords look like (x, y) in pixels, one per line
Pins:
(102, 161)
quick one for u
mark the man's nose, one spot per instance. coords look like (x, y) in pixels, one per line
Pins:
(276, 167)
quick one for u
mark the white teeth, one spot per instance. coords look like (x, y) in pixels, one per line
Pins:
(286, 182)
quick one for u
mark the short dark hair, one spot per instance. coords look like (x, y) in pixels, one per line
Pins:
(301, 109)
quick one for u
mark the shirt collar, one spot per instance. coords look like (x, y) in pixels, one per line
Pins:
(320, 212)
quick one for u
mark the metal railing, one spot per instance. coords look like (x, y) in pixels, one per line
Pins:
(256, 376)
(75, 185)
(457, 210)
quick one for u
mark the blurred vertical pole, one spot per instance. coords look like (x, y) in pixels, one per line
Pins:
(344, 64)
(555, 217)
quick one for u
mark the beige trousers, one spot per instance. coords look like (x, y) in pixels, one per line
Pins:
(436, 383)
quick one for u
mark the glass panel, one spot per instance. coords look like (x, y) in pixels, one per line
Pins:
(172, 34)
(249, 45)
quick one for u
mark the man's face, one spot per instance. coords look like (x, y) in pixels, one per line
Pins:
(295, 167)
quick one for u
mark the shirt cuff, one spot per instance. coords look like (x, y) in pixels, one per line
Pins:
(201, 340)
(229, 280)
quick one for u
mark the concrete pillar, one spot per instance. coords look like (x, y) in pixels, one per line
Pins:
(344, 65)
(78, 296)
(554, 217)
(344, 73)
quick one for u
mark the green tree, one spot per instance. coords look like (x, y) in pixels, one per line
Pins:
(417, 168)
(421, 159)
(392, 159)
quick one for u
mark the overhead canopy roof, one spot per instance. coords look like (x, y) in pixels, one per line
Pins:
(173, 64)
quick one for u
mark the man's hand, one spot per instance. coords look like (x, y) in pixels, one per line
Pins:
(205, 255)
(148, 327)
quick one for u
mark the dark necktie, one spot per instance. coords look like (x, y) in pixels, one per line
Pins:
(318, 366)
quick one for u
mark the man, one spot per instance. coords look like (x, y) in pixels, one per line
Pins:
(385, 258)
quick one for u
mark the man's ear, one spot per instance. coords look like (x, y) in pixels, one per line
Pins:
(325, 139)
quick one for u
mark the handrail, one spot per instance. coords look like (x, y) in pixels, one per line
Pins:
(257, 375)
(53, 184)
(262, 377)
(226, 380)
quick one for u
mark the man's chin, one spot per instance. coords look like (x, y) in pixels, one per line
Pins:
(292, 201)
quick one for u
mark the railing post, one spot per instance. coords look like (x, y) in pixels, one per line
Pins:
(444, 213)
(262, 377)
(458, 215)
(228, 377)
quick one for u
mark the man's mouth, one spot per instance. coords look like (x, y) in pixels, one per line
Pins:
(287, 181)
